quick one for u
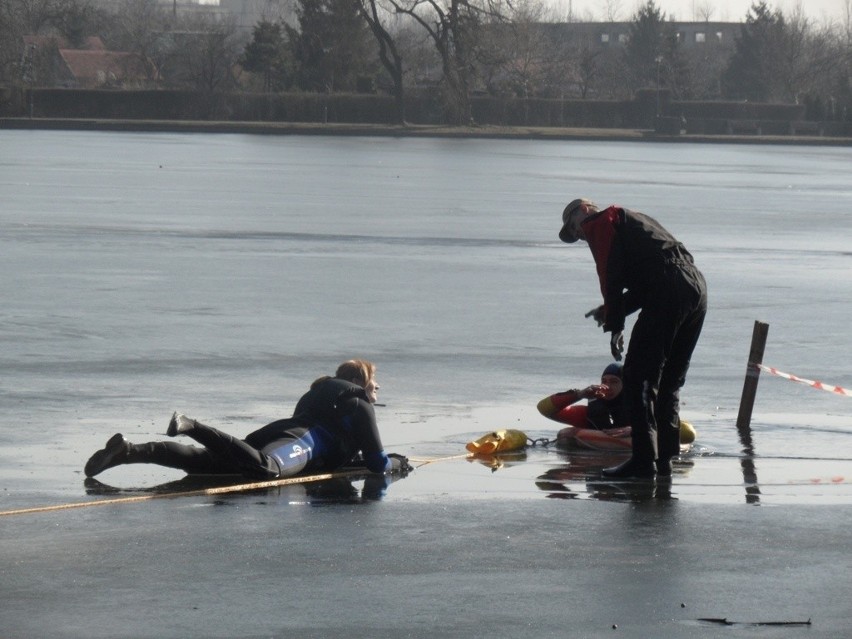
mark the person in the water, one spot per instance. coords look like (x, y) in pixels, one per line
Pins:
(333, 424)
(605, 409)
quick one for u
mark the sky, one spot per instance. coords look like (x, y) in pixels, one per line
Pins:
(688, 10)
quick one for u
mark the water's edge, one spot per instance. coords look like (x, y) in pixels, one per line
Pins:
(408, 130)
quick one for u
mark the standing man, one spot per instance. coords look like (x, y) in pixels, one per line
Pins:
(641, 266)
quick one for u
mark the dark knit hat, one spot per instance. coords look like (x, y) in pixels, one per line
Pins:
(613, 369)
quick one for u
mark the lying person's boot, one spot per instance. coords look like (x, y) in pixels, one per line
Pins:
(114, 453)
(179, 424)
(631, 469)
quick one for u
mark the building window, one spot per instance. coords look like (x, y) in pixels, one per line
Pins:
(718, 36)
(604, 38)
(700, 37)
(679, 36)
(622, 38)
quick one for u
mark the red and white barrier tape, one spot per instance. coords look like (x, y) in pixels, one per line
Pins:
(821, 386)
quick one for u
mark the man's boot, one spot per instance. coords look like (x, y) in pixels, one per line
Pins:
(641, 462)
(112, 454)
(633, 468)
(668, 445)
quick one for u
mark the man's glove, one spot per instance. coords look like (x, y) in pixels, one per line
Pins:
(616, 345)
(399, 464)
(597, 314)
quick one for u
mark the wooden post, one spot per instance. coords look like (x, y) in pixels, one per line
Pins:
(755, 356)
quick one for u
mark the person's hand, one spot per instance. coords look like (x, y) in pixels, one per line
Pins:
(596, 391)
(597, 314)
(399, 464)
(616, 345)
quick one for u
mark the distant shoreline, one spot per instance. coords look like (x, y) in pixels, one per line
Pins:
(413, 130)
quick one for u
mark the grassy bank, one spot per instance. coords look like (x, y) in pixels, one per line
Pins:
(493, 132)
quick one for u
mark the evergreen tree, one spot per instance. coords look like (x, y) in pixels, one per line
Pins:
(647, 45)
(268, 54)
(332, 47)
(751, 73)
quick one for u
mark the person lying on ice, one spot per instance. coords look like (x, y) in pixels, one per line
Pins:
(332, 423)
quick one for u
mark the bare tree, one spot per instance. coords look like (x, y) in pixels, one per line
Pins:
(612, 10)
(516, 56)
(705, 64)
(210, 52)
(704, 10)
(574, 70)
(809, 60)
(377, 19)
(13, 56)
(455, 29)
(34, 16)
(847, 19)
(138, 27)
(793, 50)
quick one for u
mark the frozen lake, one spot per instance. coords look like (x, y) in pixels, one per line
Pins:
(219, 274)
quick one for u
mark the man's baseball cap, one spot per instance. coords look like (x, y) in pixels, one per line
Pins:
(566, 234)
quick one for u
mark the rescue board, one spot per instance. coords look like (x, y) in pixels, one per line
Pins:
(619, 439)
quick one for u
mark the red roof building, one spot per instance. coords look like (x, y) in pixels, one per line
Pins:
(54, 63)
(102, 69)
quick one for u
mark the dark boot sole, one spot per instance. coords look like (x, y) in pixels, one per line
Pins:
(629, 470)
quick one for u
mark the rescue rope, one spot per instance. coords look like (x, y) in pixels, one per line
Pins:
(218, 490)
(423, 461)
(801, 380)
